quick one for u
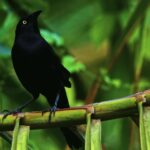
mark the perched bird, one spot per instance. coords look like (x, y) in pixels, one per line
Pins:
(40, 71)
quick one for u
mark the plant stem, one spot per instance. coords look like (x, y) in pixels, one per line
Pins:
(107, 110)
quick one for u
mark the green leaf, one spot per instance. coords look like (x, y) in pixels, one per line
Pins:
(133, 22)
(141, 50)
(52, 38)
(146, 36)
(71, 94)
(7, 28)
(72, 64)
(144, 84)
(103, 27)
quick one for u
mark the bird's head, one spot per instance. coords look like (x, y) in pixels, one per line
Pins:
(28, 23)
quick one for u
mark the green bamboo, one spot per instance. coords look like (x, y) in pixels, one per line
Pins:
(96, 135)
(88, 133)
(142, 129)
(15, 134)
(111, 109)
(146, 120)
(23, 136)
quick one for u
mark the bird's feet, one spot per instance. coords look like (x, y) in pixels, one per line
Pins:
(52, 112)
(51, 109)
(54, 108)
(7, 112)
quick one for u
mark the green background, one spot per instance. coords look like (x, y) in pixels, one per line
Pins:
(104, 44)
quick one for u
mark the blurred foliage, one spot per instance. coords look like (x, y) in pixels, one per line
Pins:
(104, 39)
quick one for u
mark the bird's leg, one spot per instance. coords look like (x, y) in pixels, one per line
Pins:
(17, 110)
(53, 109)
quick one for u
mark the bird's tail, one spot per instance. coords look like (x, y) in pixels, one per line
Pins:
(74, 139)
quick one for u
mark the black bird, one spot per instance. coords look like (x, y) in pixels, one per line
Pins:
(40, 71)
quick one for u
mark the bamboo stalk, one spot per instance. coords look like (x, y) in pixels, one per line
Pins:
(88, 133)
(22, 139)
(144, 121)
(15, 134)
(96, 135)
(111, 109)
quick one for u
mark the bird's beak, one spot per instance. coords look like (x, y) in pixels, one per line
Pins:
(35, 14)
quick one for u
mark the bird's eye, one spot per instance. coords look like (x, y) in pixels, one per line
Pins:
(24, 22)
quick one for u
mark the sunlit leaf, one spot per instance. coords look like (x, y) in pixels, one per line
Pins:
(52, 38)
(72, 64)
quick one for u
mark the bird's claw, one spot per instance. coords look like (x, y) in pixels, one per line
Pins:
(53, 109)
(44, 111)
(14, 112)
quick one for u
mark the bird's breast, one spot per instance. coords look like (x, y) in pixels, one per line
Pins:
(27, 45)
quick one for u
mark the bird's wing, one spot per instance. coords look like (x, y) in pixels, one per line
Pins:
(53, 62)
(64, 74)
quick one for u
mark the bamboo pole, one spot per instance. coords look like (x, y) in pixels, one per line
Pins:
(107, 110)
(23, 138)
